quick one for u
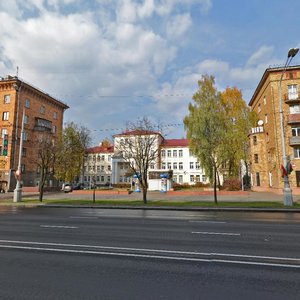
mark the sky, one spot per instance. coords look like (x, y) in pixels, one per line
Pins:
(117, 61)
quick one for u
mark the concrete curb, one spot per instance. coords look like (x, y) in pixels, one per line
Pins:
(225, 209)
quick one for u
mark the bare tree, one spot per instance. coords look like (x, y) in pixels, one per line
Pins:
(45, 159)
(139, 147)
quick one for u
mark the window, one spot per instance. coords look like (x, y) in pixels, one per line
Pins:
(295, 131)
(169, 166)
(23, 168)
(203, 178)
(180, 166)
(108, 178)
(265, 100)
(192, 178)
(108, 168)
(197, 165)
(175, 166)
(27, 103)
(256, 158)
(254, 140)
(180, 153)
(42, 109)
(197, 178)
(191, 165)
(3, 132)
(163, 166)
(297, 152)
(259, 108)
(266, 118)
(152, 166)
(6, 99)
(109, 157)
(26, 119)
(53, 129)
(180, 179)
(292, 91)
(55, 115)
(163, 153)
(24, 151)
(102, 178)
(174, 153)
(103, 157)
(174, 178)
(5, 116)
(102, 168)
(98, 168)
(25, 136)
(169, 153)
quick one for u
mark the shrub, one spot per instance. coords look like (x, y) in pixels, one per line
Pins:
(232, 184)
(121, 185)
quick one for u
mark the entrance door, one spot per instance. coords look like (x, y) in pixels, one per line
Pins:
(257, 179)
(298, 178)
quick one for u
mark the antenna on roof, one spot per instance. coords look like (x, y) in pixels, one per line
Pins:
(17, 72)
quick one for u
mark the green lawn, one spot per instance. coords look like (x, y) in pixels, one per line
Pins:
(258, 204)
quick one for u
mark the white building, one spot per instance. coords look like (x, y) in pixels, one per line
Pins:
(104, 166)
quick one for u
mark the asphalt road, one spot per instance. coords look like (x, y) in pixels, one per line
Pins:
(49, 253)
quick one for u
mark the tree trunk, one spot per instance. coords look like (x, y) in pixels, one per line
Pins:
(41, 185)
(145, 195)
(215, 185)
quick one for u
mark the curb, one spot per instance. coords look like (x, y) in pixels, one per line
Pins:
(225, 209)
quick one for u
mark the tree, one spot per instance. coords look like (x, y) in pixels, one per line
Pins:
(139, 147)
(45, 160)
(71, 151)
(205, 128)
(238, 122)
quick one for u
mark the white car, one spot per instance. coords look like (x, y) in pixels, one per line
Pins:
(67, 188)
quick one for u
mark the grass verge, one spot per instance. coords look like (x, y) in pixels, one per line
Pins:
(258, 204)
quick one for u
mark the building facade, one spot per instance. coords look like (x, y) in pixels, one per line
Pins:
(41, 114)
(173, 155)
(265, 139)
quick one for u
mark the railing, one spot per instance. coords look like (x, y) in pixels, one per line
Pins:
(294, 140)
(291, 97)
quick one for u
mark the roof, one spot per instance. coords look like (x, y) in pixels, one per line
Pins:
(265, 76)
(100, 149)
(137, 132)
(175, 143)
(23, 84)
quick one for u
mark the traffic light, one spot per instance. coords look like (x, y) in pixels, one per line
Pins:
(5, 145)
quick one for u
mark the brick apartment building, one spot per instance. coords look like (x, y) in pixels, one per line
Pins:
(265, 139)
(43, 115)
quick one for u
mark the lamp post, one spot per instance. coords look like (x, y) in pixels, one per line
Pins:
(287, 192)
(18, 189)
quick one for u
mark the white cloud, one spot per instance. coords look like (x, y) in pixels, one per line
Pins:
(178, 25)
(263, 54)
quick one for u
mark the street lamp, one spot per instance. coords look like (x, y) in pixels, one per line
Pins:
(18, 189)
(287, 192)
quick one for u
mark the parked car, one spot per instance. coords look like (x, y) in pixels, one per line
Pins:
(78, 186)
(67, 188)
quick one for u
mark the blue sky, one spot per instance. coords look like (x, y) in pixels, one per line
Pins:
(113, 61)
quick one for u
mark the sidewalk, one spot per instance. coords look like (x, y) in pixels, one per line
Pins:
(230, 196)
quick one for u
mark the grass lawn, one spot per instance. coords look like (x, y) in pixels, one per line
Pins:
(258, 204)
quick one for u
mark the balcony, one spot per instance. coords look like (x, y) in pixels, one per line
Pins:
(42, 125)
(291, 98)
(293, 118)
(295, 141)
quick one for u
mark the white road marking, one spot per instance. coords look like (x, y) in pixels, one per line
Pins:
(152, 256)
(58, 226)
(214, 222)
(216, 233)
(78, 217)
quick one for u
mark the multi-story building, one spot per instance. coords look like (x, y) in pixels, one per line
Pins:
(43, 114)
(98, 166)
(174, 155)
(265, 139)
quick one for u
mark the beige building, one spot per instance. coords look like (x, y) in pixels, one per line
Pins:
(265, 139)
(43, 114)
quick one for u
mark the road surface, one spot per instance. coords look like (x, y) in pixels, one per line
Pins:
(50, 253)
